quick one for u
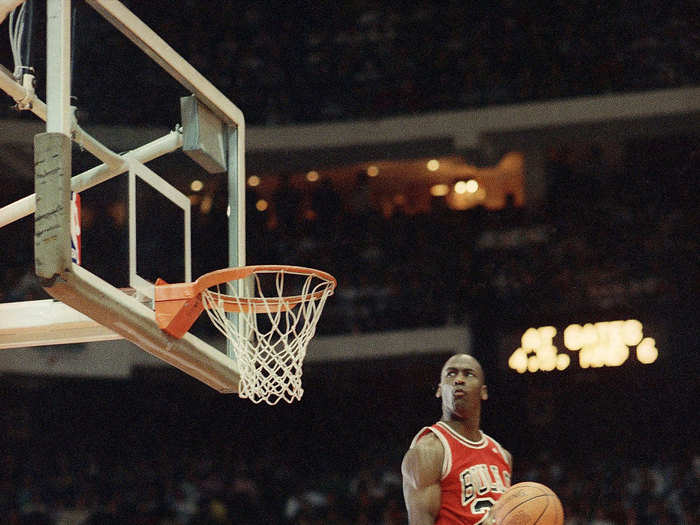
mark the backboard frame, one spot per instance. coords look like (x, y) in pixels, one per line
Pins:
(137, 170)
(73, 285)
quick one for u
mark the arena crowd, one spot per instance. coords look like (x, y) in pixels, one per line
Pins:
(157, 451)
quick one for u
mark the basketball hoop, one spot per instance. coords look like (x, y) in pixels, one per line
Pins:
(268, 313)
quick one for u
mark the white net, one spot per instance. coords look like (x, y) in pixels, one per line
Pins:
(278, 312)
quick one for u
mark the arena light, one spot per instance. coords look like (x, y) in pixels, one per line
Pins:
(196, 185)
(646, 351)
(439, 190)
(261, 205)
(372, 171)
(461, 187)
(253, 181)
(563, 361)
(518, 361)
(206, 205)
(312, 176)
(602, 344)
(433, 165)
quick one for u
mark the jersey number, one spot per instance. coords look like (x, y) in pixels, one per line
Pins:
(482, 505)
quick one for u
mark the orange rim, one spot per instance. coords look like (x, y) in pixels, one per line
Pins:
(178, 305)
(257, 304)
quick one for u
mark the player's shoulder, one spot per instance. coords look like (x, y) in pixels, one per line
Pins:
(502, 450)
(422, 463)
(427, 440)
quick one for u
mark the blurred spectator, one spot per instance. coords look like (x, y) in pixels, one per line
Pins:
(341, 63)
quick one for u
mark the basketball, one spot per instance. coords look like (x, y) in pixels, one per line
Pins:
(529, 503)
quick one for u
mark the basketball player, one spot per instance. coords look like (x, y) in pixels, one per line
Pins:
(453, 473)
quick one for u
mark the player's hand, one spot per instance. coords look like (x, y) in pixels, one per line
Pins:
(490, 518)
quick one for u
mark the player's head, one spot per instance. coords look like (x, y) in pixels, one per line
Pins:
(462, 387)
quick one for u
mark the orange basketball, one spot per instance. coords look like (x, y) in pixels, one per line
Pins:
(529, 503)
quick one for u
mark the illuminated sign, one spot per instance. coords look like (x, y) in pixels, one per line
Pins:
(597, 345)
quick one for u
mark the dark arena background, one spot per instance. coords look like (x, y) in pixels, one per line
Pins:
(588, 218)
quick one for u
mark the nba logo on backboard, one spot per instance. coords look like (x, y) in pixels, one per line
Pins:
(75, 251)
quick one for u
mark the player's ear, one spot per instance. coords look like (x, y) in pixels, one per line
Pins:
(438, 393)
(484, 393)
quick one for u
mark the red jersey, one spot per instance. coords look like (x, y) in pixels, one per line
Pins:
(474, 475)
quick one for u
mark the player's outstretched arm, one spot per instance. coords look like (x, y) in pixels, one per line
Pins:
(6, 7)
(421, 470)
(490, 518)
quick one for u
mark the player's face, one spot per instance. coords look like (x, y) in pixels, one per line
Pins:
(462, 385)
